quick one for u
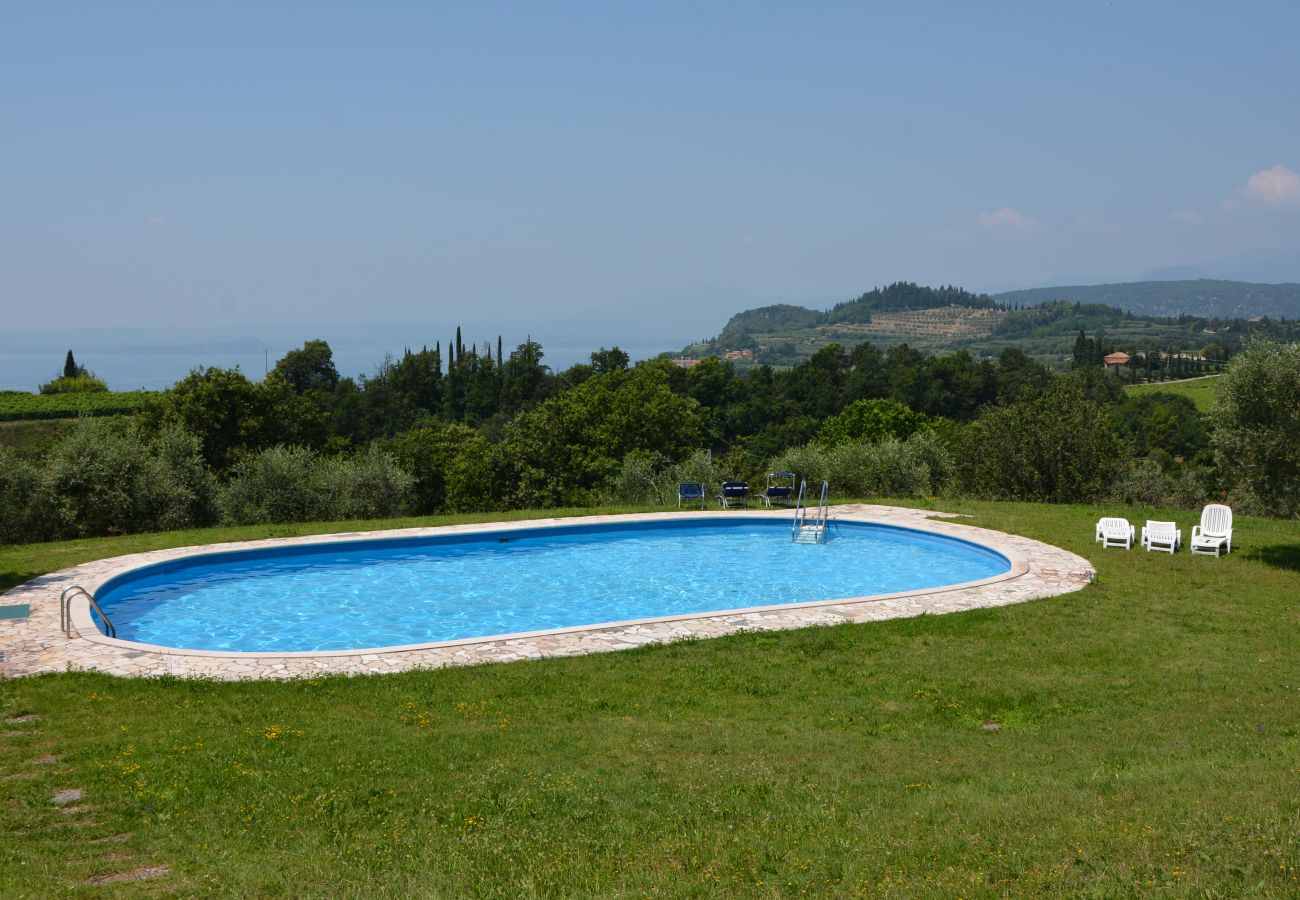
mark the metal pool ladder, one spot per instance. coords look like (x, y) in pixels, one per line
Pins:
(804, 531)
(65, 612)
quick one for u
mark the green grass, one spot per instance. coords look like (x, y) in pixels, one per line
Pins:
(1199, 390)
(22, 407)
(1148, 744)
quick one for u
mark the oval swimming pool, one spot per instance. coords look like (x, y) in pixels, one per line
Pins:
(392, 592)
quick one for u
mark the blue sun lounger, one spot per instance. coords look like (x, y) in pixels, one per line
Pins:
(734, 494)
(780, 489)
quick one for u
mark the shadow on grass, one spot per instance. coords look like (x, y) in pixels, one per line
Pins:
(13, 579)
(1279, 556)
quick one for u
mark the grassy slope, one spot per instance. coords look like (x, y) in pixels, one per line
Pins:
(1199, 390)
(1149, 744)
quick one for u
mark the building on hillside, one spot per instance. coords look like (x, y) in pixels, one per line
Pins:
(1116, 360)
(738, 354)
(686, 362)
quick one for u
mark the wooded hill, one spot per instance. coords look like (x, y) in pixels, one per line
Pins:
(944, 319)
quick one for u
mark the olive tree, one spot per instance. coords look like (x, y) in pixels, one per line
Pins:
(1256, 424)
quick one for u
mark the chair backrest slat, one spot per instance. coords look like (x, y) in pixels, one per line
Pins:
(1216, 519)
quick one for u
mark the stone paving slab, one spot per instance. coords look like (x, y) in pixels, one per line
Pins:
(38, 644)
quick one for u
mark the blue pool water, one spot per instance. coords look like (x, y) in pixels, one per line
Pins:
(383, 593)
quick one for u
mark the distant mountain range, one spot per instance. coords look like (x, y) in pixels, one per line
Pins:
(1204, 297)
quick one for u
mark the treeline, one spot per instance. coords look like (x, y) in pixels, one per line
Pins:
(477, 428)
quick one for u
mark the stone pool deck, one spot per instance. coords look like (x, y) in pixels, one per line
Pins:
(36, 643)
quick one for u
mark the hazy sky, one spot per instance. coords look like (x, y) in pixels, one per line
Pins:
(192, 164)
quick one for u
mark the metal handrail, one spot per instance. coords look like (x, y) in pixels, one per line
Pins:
(799, 510)
(65, 611)
(818, 526)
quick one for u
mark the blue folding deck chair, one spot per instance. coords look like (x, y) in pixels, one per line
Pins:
(689, 492)
(734, 494)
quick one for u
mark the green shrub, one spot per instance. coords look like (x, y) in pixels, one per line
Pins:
(370, 485)
(453, 468)
(24, 500)
(1144, 483)
(275, 485)
(810, 461)
(180, 490)
(104, 478)
(916, 467)
(293, 484)
(649, 478)
(641, 479)
(75, 384)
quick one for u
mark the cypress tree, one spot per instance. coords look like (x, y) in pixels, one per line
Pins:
(70, 366)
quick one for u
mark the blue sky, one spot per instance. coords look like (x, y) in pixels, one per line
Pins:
(653, 166)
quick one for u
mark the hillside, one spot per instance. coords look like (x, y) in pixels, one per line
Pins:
(1204, 297)
(940, 320)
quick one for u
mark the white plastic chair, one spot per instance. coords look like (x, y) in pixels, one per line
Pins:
(1166, 537)
(1214, 534)
(1116, 532)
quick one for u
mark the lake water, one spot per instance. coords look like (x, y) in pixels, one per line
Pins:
(156, 368)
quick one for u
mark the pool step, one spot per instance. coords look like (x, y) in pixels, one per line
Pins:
(810, 534)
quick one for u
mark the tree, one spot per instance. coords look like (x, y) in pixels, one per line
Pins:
(611, 360)
(233, 416)
(574, 441)
(1256, 420)
(524, 380)
(871, 421)
(1058, 447)
(75, 379)
(308, 369)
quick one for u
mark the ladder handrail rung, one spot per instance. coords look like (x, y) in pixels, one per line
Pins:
(65, 610)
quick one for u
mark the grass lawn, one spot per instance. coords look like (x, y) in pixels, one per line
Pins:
(1141, 737)
(1199, 390)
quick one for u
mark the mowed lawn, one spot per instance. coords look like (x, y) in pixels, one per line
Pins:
(1200, 391)
(1140, 737)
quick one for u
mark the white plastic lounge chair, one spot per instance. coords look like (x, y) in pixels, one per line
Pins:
(1214, 534)
(1116, 532)
(1166, 537)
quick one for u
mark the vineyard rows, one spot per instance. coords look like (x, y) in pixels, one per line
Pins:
(19, 406)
